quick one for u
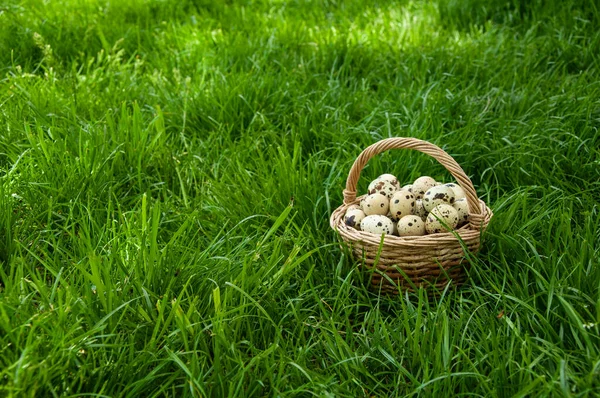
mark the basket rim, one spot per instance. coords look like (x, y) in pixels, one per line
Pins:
(466, 232)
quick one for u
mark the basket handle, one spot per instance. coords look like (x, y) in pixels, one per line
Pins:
(425, 147)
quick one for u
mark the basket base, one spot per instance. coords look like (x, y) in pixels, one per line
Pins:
(384, 283)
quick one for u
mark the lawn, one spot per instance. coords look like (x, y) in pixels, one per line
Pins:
(168, 169)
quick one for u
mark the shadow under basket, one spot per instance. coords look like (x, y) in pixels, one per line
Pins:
(408, 263)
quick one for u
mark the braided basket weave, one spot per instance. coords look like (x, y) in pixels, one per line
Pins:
(409, 263)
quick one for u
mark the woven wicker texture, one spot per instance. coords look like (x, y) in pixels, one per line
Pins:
(407, 263)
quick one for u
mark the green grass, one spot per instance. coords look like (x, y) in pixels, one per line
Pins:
(150, 151)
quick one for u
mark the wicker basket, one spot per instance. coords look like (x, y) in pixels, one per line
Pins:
(409, 263)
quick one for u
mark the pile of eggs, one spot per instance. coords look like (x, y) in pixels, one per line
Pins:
(423, 207)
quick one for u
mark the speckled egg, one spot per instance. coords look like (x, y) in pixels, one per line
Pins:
(352, 207)
(407, 187)
(402, 204)
(354, 217)
(420, 209)
(462, 208)
(442, 218)
(421, 185)
(459, 193)
(391, 179)
(375, 204)
(377, 224)
(383, 187)
(438, 195)
(411, 226)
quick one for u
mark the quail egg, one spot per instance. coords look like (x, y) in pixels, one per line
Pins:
(390, 178)
(420, 209)
(384, 187)
(421, 185)
(459, 193)
(375, 204)
(462, 208)
(438, 195)
(411, 226)
(441, 219)
(354, 217)
(407, 187)
(402, 204)
(377, 224)
(352, 207)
